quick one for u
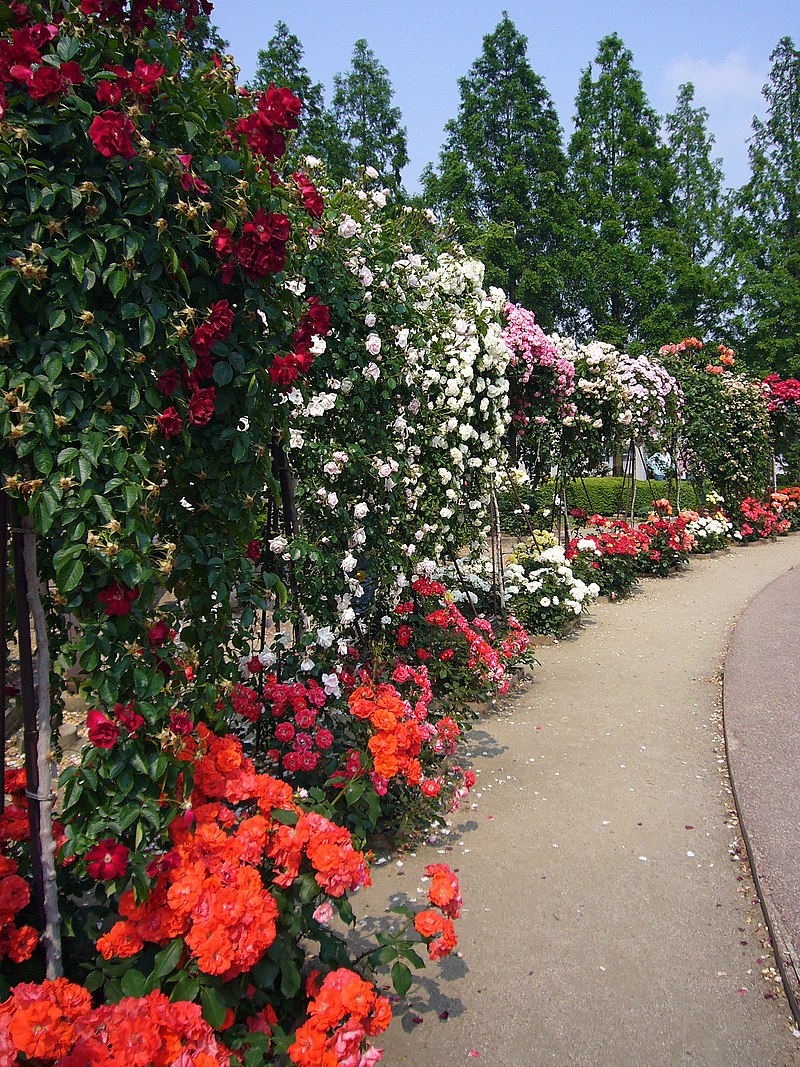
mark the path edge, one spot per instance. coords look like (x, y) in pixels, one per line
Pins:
(782, 948)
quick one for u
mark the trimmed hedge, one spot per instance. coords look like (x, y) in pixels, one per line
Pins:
(602, 496)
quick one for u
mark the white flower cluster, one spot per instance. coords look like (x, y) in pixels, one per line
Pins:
(551, 576)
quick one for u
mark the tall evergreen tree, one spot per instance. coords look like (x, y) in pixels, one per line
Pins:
(622, 181)
(767, 232)
(700, 285)
(370, 127)
(502, 174)
(281, 63)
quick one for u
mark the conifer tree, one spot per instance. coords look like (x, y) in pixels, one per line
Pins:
(622, 182)
(766, 238)
(502, 174)
(700, 284)
(369, 126)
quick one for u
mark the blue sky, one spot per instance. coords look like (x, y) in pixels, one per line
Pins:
(426, 45)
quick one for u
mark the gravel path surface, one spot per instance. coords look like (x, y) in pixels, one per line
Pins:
(609, 920)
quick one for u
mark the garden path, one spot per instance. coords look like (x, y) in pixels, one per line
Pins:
(609, 920)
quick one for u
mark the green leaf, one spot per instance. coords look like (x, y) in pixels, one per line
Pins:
(71, 575)
(401, 978)
(214, 1008)
(288, 818)
(167, 959)
(133, 983)
(186, 988)
(8, 282)
(223, 373)
(116, 281)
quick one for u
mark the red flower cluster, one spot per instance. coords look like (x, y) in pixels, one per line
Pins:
(104, 732)
(265, 130)
(16, 942)
(781, 395)
(21, 53)
(54, 1023)
(312, 201)
(298, 706)
(759, 521)
(261, 249)
(111, 134)
(315, 322)
(436, 929)
(118, 599)
(344, 1012)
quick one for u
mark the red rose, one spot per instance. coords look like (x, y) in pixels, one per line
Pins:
(404, 634)
(223, 242)
(130, 719)
(203, 339)
(430, 787)
(169, 422)
(158, 634)
(144, 78)
(201, 406)
(220, 319)
(180, 723)
(168, 382)
(254, 551)
(46, 81)
(103, 733)
(109, 92)
(283, 370)
(117, 599)
(111, 135)
(320, 316)
(312, 201)
(323, 739)
(280, 107)
(107, 860)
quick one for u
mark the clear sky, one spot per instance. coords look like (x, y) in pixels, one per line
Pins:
(723, 47)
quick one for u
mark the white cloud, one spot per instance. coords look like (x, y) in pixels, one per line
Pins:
(717, 81)
(730, 89)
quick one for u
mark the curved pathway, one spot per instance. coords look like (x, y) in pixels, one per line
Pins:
(762, 730)
(609, 920)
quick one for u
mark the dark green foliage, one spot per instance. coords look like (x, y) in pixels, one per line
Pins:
(766, 233)
(699, 277)
(369, 126)
(501, 175)
(601, 496)
(622, 183)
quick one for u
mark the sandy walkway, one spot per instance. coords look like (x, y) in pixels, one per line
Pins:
(606, 923)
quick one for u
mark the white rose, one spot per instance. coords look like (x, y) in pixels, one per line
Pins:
(369, 320)
(360, 510)
(373, 344)
(348, 227)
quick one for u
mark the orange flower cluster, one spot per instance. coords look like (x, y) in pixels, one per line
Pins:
(209, 889)
(344, 1012)
(54, 1023)
(436, 929)
(396, 744)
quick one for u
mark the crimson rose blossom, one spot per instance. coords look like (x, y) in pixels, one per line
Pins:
(168, 381)
(158, 634)
(103, 733)
(117, 599)
(107, 860)
(111, 135)
(130, 719)
(169, 422)
(201, 406)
